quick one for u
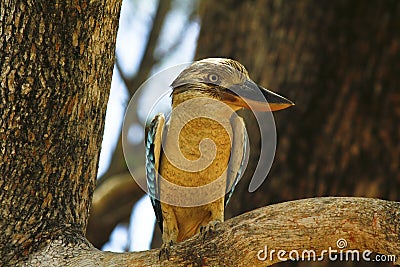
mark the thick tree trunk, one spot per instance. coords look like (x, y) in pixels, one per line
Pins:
(56, 66)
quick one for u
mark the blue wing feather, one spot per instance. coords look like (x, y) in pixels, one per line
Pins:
(153, 157)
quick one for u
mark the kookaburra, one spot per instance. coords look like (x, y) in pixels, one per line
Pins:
(197, 90)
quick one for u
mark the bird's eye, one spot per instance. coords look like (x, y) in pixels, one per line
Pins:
(212, 77)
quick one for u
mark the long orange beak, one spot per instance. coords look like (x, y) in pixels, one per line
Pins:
(251, 96)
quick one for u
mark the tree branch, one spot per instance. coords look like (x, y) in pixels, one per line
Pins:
(308, 224)
(147, 62)
(178, 41)
(112, 203)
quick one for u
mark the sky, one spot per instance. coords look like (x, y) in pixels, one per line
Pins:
(135, 20)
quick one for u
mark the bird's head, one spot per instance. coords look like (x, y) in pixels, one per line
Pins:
(225, 80)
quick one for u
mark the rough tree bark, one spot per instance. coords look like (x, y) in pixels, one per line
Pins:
(56, 67)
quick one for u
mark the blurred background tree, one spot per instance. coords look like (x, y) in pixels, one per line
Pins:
(338, 61)
(153, 35)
